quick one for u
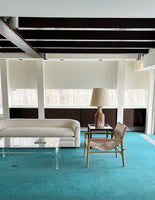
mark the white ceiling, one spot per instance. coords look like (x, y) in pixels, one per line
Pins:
(79, 8)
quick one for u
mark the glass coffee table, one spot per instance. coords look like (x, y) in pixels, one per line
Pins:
(31, 142)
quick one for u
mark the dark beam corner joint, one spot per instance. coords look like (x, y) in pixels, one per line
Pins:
(16, 39)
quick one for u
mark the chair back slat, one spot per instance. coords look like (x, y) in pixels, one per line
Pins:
(120, 130)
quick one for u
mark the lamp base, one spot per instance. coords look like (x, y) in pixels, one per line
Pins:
(99, 118)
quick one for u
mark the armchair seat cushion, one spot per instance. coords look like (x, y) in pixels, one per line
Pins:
(103, 144)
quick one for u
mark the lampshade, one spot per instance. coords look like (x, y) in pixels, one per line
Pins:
(99, 97)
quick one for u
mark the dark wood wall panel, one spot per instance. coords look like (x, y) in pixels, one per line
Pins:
(63, 113)
(88, 116)
(135, 117)
(110, 116)
(128, 117)
(139, 117)
(84, 116)
(24, 113)
(132, 117)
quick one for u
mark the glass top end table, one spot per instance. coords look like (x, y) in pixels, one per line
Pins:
(92, 127)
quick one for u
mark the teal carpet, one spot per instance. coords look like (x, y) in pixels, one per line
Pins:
(34, 177)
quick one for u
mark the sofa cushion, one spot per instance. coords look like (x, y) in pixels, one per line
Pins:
(37, 132)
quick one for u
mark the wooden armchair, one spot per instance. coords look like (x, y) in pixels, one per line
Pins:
(106, 145)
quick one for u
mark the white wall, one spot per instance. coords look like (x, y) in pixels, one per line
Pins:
(78, 8)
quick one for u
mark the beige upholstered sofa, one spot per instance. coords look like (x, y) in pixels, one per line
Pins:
(67, 129)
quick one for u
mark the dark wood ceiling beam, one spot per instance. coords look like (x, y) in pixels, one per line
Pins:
(10, 50)
(89, 35)
(1, 37)
(17, 40)
(115, 35)
(123, 51)
(92, 44)
(52, 44)
(6, 44)
(37, 22)
(120, 51)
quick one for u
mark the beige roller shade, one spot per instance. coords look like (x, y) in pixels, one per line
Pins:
(135, 79)
(81, 74)
(23, 74)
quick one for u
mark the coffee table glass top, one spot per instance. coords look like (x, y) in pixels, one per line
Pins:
(30, 142)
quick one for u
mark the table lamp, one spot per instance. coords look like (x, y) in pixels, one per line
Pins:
(99, 99)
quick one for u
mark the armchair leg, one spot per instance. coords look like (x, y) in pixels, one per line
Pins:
(85, 146)
(85, 150)
(123, 160)
(122, 153)
(116, 152)
(88, 152)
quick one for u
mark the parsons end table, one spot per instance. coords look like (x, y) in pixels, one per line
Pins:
(107, 128)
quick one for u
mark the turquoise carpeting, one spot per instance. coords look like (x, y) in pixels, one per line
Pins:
(35, 177)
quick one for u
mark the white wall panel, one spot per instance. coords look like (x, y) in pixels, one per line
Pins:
(120, 91)
(5, 91)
